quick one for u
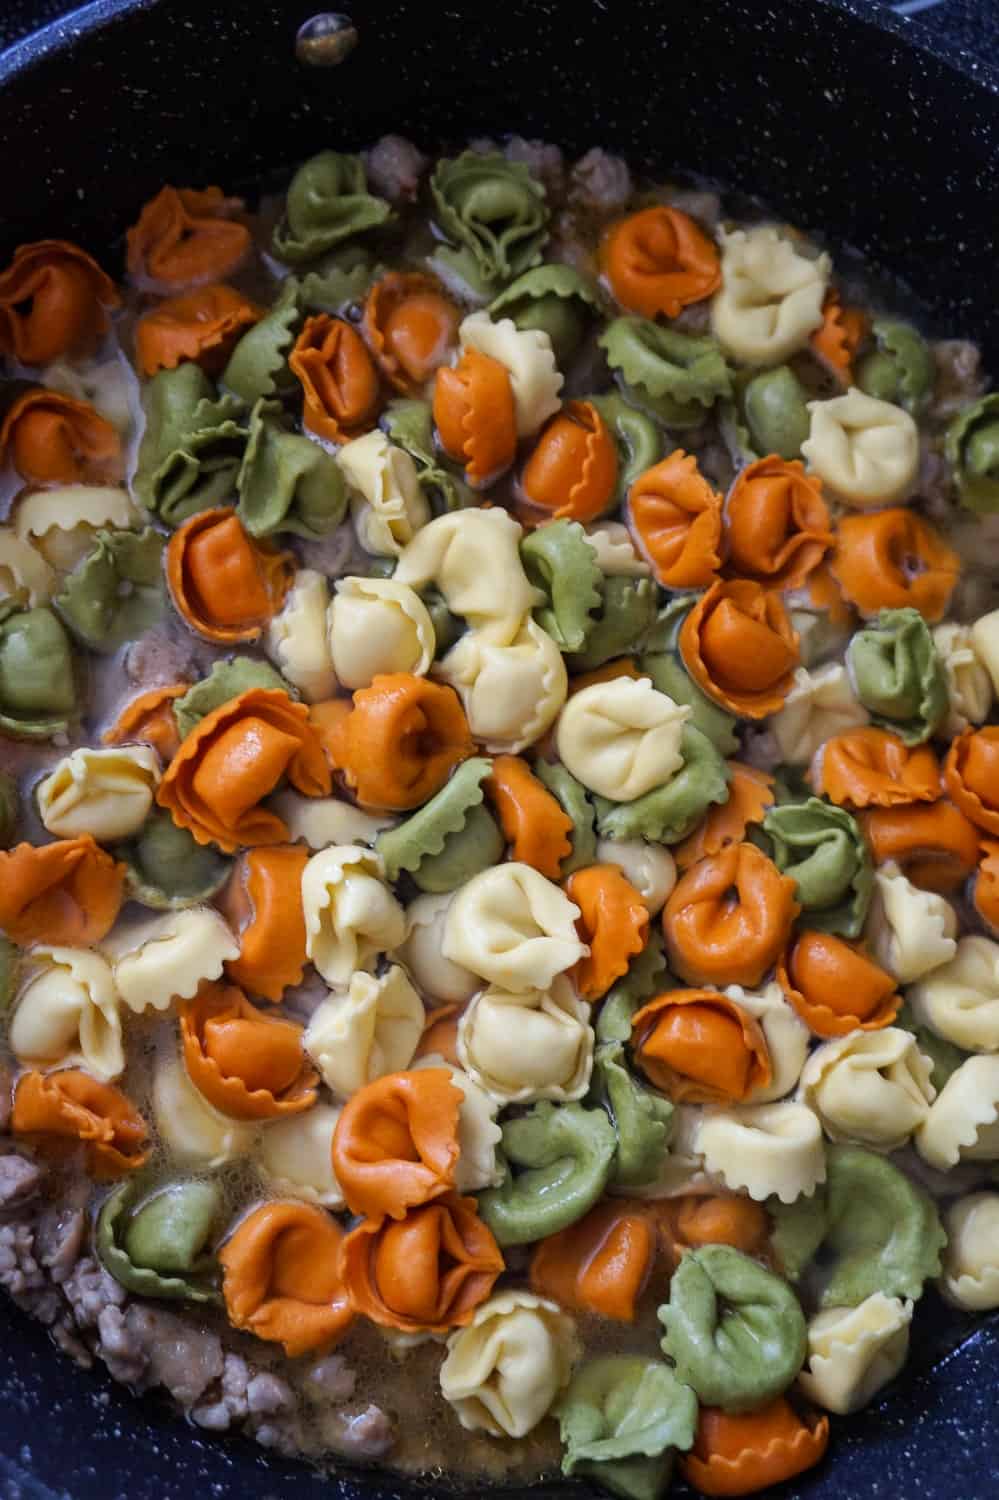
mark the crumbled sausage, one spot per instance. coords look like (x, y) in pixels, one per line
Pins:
(19, 1181)
(89, 1289)
(395, 166)
(366, 1434)
(542, 159)
(20, 1272)
(959, 377)
(59, 1239)
(333, 1379)
(600, 180)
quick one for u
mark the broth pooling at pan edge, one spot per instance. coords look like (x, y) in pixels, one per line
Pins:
(497, 686)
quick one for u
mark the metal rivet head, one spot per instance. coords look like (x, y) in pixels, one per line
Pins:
(325, 40)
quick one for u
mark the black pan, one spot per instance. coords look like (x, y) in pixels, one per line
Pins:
(841, 120)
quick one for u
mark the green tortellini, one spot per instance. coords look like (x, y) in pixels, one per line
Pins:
(774, 407)
(621, 1420)
(735, 1332)
(972, 448)
(116, 592)
(669, 813)
(898, 676)
(555, 300)
(410, 424)
(328, 202)
(37, 681)
(900, 368)
(10, 809)
(639, 441)
(192, 445)
(159, 1248)
(672, 375)
(627, 612)
(559, 560)
(166, 868)
(571, 796)
(10, 960)
(226, 680)
(798, 1230)
(642, 1119)
(645, 977)
(477, 846)
(822, 848)
(944, 1056)
(671, 677)
(565, 1154)
(427, 834)
(287, 482)
(494, 211)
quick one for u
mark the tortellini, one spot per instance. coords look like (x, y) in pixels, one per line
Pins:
(985, 639)
(513, 928)
(321, 821)
(294, 1157)
(67, 1013)
(61, 522)
(854, 1351)
(971, 1261)
(478, 1132)
(771, 295)
(622, 738)
(528, 1045)
(350, 914)
(616, 554)
(912, 932)
(650, 868)
(473, 558)
(786, 1035)
(766, 1150)
(528, 357)
(622, 1419)
(193, 1132)
(511, 694)
(297, 641)
(107, 793)
(165, 958)
(969, 685)
(377, 625)
(963, 1123)
(504, 1370)
(23, 568)
(819, 705)
(372, 1029)
(865, 450)
(871, 1087)
(422, 953)
(960, 999)
(387, 500)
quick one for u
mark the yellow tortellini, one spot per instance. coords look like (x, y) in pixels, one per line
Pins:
(766, 1150)
(963, 1123)
(650, 868)
(350, 914)
(819, 705)
(61, 522)
(504, 1371)
(513, 928)
(912, 932)
(297, 640)
(854, 1351)
(377, 625)
(616, 555)
(985, 639)
(473, 558)
(527, 355)
(195, 1134)
(387, 500)
(786, 1034)
(533, 1044)
(969, 686)
(478, 1131)
(865, 450)
(67, 1013)
(111, 387)
(24, 569)
(372, 1029)
(321, 821)
(771, 295)
(294, 1157)
(166, 958)
(960, 999)
(511, 694)
(422, 953)
(622, 738)
(107, 793)
(971, 1261)
(870, 1087)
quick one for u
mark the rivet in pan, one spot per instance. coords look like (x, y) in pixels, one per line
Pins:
(325, 40)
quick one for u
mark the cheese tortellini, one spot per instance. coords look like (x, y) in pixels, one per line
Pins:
(22, 568)
(377, 625)
(473, 558)
(195, 1134)
(622, 738)
(513, 928)
(971, 1261)
(371, 1030)
(350, 914)
(969, 685)
(505, 1369)
(985, 639)
(616, 554)
(478, 1131)
(294, 1157)
(297, 639)
(871, 1087)
(865, 450)
(854, 1351)
(321, 821)
(787, 1038)
(511, 694)
(528, 357)
(767, 1150)
(912, 932)
(67, 1013)
(422, 953)
(771, 295)
(819, 705)
(167, 957)
(61, 522)
(960, 999)
(529, 1045)
(387, 500)
(650, 868)
(963, 1123)
(107, 793)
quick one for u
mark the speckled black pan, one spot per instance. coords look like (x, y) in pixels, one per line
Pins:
(842, 122)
